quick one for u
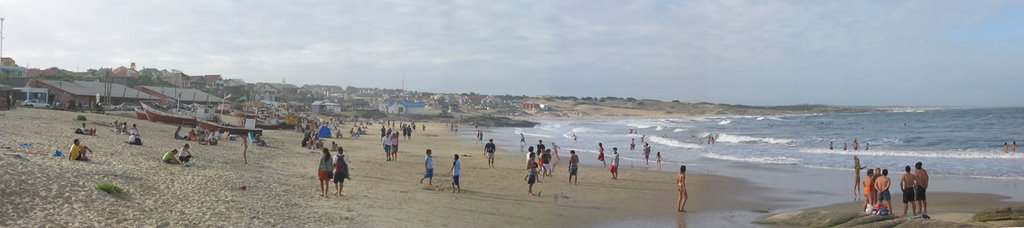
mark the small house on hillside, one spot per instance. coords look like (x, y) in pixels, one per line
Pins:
(404, 107)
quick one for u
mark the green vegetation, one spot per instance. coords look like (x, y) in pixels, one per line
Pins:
(80, 118)
(109, 188)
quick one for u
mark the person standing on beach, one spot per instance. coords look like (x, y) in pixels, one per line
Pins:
(574, 166)
(394, 147)
(323, 173)
(245, 150)
(522, 139)
(386, 141)
(868, 196)
(658, 159)
(856, 176)
(531, 174)
(615, 164)
(907, 183)
(600, 154)
(882, 186)
(340, 170)
(920, 195)
(681, 183)
(428, 166)
(554, 155)
(489, 152)
(647, 155)
(454, 172)
(546, 157)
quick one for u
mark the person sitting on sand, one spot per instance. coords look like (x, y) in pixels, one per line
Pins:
(134, 139)
(323, 172)
(85, 130)
(134, 130)
(177, 134)
(211, 139)
(185, 154)
(681, 183)
(171, 157)
(117, 127)
(192, 136)
(78, 151)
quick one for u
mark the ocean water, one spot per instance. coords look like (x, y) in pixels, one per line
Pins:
(950, 142)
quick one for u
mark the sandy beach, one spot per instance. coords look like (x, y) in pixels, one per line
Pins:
(39, 189)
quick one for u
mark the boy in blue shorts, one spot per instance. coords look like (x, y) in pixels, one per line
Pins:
(454, 172)
(428, 164)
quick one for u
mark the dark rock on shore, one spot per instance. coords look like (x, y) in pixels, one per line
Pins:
(498, 122)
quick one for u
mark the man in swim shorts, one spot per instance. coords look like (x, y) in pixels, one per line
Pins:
(907, 184)
(574, 165)
(922, 185)
(489, 152)
(882, 186)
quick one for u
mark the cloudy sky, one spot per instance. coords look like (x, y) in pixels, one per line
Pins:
(749, 52)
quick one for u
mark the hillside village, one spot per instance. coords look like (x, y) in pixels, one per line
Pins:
(64, 89)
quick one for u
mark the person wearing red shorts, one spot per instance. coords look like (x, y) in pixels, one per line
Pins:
(600, 154)
(615, 164)
(323, 172)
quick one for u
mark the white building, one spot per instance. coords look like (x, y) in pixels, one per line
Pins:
(326, 107)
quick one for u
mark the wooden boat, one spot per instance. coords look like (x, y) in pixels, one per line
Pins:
(140, 114)
(155, 113)
(212, 126)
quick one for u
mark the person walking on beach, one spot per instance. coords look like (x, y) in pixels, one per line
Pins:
(554, 155)
(428, 166)
(681, 183)
(574, 166)
(615, 164)
(531, 174)
(386, 141)
(489, 152)
(856, 176)
(600, 154)
(245, 150)
(658, 159)
(522, 139)
(394, 147)
(882, 186)
(907, 183)
(454, 172)
(647, 155)
(340, 170)
(323, 173)
(920, 192)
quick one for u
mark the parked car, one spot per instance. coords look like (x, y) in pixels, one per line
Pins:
(106, 106)
(35, 103)
(126, 106)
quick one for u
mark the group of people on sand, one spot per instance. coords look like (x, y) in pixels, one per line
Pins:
(455, 172)
(877, 197)
(333, 168)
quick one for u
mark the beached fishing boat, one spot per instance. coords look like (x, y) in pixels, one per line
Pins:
(212, 126)
(157, 114)
(141, 114)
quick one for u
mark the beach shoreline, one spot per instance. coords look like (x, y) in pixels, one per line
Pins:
(39, 189)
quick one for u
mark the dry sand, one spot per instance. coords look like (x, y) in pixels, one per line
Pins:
(37, 189)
